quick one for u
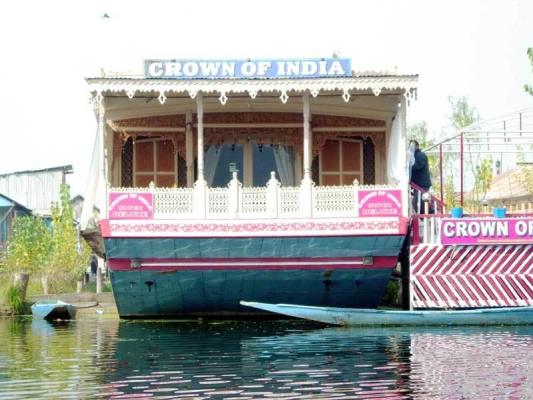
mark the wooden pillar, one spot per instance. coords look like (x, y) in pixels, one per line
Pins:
(307, 149)
(189, 149)
(200, 139)
(306, 187)
(99, 271)
(298, 166)
(200, 186)
(103, 157)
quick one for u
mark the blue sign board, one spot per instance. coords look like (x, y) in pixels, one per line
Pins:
(247, 69)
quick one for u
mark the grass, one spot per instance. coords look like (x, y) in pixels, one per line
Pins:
(14, 301)
(91, 287)
(391, 296)
(55, 286)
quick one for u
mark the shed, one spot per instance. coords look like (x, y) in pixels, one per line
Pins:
(9, 209)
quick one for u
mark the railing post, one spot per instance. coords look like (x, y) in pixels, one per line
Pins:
(234, 187)
(306, 198)
(306, 186)
(355, 187)
(151, 189)
(272, 195)
(199, 207)
(426, 222)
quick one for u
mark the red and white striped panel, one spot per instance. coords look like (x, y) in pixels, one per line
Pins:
(471, 276)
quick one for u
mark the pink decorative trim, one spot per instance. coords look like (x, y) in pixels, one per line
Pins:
(266, 228)
(471, 276)
(322, 263)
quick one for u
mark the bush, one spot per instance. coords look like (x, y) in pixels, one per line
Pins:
(15, 301)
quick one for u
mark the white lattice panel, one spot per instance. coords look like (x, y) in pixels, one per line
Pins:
(289, 201)
(333, 200)
(131, 189)
(217, 202)
(173, 203)
(253, 200)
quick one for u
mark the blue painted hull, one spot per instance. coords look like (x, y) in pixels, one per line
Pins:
(358, 317)
(218, 293)
(52, 310)
(189, 277)
(289, 247)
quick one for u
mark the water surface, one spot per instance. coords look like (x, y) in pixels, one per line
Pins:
(260, 360)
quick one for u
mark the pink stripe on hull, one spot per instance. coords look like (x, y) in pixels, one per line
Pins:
(382, 262)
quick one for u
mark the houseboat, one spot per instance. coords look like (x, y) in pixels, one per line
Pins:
(276, 181)
(476, 257)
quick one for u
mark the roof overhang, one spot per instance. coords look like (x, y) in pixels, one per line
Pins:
(163, 88)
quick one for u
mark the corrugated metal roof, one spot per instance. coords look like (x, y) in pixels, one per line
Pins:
(67, 169)
(35, 189)
(8, 202)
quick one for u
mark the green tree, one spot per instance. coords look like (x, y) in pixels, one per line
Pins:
(68, 255)
(529, 88)
(27, 249)
(482, 179)
(526, 170)
(463, 115)
(419, 131)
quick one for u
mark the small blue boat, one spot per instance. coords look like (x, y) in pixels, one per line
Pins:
(372, 317)
(53, 310)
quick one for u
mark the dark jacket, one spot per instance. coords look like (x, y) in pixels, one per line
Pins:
(420, 171)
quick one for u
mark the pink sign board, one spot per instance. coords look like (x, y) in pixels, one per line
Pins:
(131, 206)
(465, 231)
(380, 203)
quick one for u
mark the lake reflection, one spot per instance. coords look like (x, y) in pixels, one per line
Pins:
(274, 359)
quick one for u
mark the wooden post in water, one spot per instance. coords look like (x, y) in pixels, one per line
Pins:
(99, 275)
(20, 280)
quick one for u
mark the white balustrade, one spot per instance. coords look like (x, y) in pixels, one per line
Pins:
(270, 201)
(173, 203)
(217, 203)
(332, 201)
(253, 202)
(289, 202)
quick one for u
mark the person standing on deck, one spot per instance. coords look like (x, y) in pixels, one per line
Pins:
(419, 172)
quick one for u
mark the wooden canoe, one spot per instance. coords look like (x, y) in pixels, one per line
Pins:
(372, 317)
(53, 310)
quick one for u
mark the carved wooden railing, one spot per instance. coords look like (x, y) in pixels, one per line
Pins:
(270, 201)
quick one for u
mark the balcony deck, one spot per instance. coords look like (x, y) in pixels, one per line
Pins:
(272, 201)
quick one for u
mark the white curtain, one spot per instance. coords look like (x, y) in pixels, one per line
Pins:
(397, 170)
(211, 157)
(284, 156)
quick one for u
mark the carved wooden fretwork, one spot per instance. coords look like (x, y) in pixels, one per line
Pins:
(285, 136)
(177, 139)
(253, 118)
(178, 121)
(337, 121)
(290, 136)
(320, 138)
(161, 121)
(127, 164)
(369, 162)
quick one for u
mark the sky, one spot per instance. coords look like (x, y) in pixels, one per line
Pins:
(466, 48)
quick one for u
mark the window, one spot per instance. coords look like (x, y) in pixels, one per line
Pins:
(341, 161)
(252, 161)
(154, 161)
(220, 162)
